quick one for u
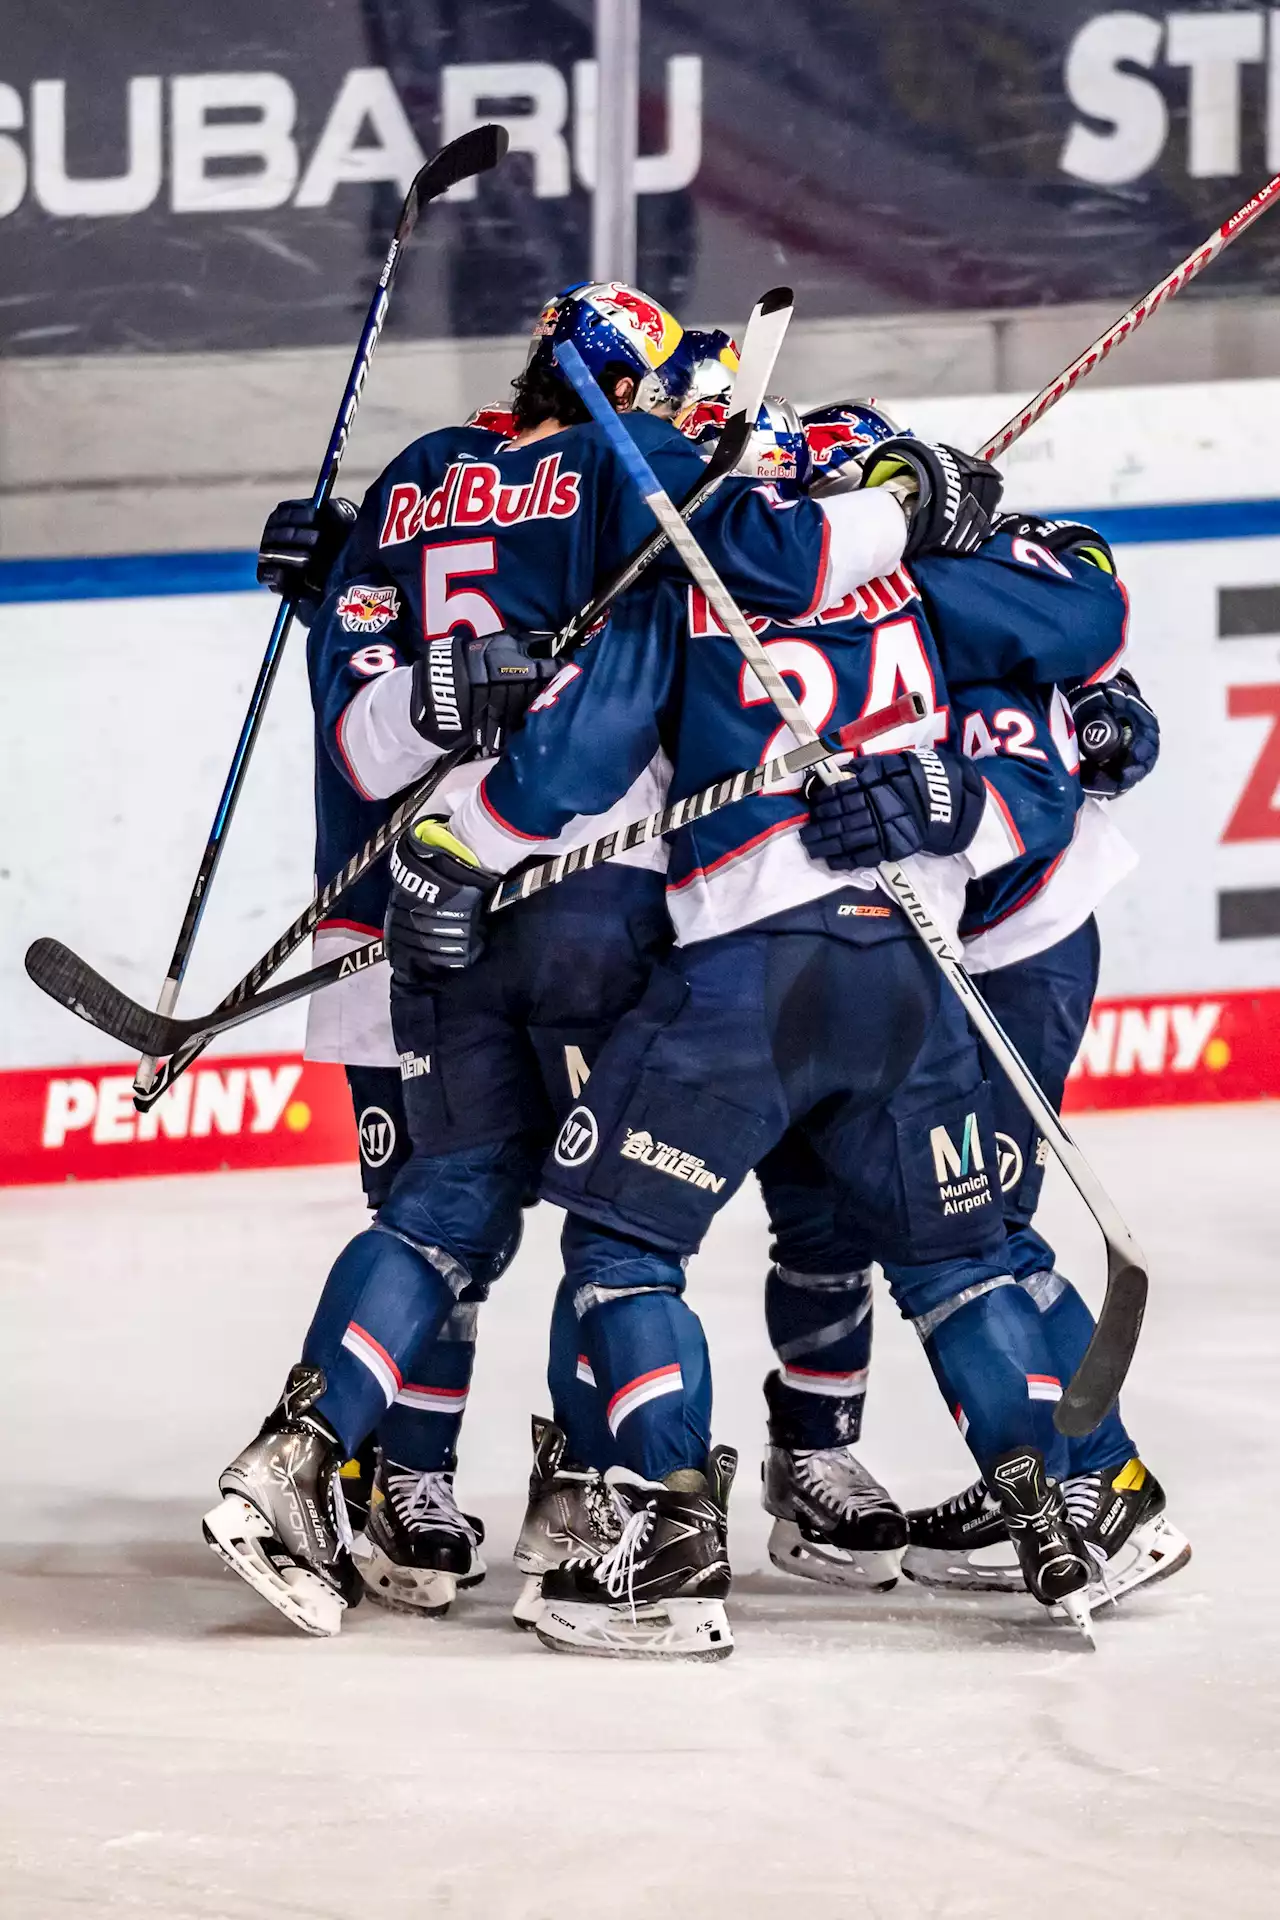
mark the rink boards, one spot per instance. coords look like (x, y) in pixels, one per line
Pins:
(112, 758)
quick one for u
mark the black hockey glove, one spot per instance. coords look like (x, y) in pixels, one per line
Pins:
(1119, 735)
(300, 544)
(893, 805)
(955, 496)
(478, 689)
(1059, 536)
(439, 896)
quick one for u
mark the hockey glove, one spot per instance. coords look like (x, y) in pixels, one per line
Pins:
(1119, 735)
(893, 805)
(300, 544)
(439, 896)
(1059, 536)
(949, 497)
(476, 688)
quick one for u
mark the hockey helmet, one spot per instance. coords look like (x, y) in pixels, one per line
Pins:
(778, 450)
(845, 431)
(613, 325)
(706, 366)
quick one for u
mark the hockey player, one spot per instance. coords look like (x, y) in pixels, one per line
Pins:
(546, 515)
(1030, 932)
(749, 1028)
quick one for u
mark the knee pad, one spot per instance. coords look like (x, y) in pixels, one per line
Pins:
(819, 1326)
(464, 1207)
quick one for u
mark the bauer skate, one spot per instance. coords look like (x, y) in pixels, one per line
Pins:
(659, 1593)
(1119, 1515)
(570, 1513)
(418, 1548)
(1055, 1566)
(282, 1523)
(962, 1544)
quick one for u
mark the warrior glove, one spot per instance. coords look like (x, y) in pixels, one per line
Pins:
(439, 896)
(1119, 735)
(948, 496)
(893, 805)
(476, 689)
(1059, 536)
(299, 545)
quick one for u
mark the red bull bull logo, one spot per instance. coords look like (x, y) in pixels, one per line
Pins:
(842, 436)
(659, 331)
(776, 463)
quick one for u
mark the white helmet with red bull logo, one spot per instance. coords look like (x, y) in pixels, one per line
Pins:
(616, 328)
(777, 450)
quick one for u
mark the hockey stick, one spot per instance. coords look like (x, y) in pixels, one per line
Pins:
(761, 344)
(474, 152)
(1092, 1391)
(1183, 274)
(62, 974)
(65, 977)
(696, 806)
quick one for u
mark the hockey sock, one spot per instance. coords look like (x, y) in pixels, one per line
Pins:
(1068, 1329)
(421, 1426)
(645, 1348)
(820, 1328)
(576, 1406)
(382, 1300)
(991, 1357)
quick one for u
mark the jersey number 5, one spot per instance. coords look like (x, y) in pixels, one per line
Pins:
(444, 606)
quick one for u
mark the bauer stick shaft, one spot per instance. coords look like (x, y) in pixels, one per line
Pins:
(1097, 1381)
(475, 152)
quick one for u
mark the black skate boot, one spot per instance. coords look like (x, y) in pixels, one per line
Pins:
(963, 1544)
(660, 1592)
(1054, 1565)
(1119, 1515)
(282, 1524)
(418, 1547)
(833, 1521)
(571, 1513)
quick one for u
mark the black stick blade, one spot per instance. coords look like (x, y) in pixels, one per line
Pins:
(1095, 1386)
(475, 151)
(776, 298)
(73, 983)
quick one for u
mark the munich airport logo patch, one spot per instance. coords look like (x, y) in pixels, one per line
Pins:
(368, 609)
(961, 1172)
(578, 1138)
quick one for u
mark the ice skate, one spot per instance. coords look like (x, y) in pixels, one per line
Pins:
(833, 1521)
(659, 1593)
(570, 1513)
(418, 1548)
(1054, 1564)
(1119, 1515)
(357, 1484)
(964, 1544)
(282, 1524)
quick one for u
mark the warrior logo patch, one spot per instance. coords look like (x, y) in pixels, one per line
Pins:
(368, 609)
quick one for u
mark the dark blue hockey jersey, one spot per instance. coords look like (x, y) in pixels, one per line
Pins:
(463, 531)
(665, 685)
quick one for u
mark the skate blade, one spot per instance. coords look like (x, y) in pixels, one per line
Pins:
(860, 1572)
(939, 1568)
(668, 1630)
(527, 1610)
(426, 1591)
(232, 1528)
(1076, 1607)
(1152, 1552)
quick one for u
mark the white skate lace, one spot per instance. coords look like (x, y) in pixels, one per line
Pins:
(1083, 1496)
(840, 1483)
(616, 1570)
(425, 1501)
(967, 1502)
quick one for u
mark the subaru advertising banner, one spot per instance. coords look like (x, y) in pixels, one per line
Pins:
(180, 179)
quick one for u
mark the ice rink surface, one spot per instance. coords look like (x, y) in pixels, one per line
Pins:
(169, 1748)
